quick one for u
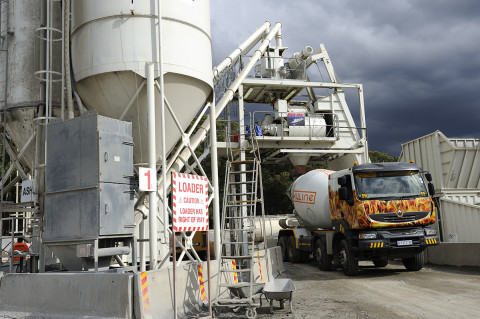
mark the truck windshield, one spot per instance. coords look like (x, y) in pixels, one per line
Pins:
(389, 185)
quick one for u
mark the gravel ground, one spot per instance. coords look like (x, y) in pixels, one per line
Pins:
(390, 292)
(375, 293)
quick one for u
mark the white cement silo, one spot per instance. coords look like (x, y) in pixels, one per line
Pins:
(111, 43)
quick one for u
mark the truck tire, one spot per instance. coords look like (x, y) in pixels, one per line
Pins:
(320, 256)
(414, 263)
(282, 242)
(377, 262)
(294, 255)
(348, 262)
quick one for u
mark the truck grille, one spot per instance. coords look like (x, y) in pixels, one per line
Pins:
(393, 218)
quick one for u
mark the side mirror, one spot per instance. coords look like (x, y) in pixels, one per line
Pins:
(428, 176)
(431, 189)
(342, 193)
(342, 181)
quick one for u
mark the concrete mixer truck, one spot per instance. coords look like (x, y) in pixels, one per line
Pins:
(371, 212)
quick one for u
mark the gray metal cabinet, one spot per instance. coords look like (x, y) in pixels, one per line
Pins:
(89, 179)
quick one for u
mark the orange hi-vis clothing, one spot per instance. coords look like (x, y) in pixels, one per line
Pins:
(20, 247)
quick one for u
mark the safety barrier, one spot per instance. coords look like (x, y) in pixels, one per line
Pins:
(154, 291)
(143, 295)
(73, 295)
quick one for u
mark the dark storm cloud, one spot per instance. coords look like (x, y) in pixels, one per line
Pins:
(419, 60)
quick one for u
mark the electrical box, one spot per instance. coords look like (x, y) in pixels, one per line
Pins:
(322, 106)
(281, 108)
(89, 179)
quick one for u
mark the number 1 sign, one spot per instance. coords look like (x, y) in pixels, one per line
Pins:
(147, 179)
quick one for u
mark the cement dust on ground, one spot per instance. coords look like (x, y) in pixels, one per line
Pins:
(377, 293)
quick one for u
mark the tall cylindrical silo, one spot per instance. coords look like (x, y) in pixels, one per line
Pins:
(112, 40)
(22, 67)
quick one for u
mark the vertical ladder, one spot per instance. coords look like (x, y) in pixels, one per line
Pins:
(3, 103)
(243, 196)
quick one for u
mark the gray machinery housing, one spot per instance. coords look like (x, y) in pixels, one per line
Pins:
(89, 201)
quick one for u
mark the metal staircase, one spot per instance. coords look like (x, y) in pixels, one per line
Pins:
(243, 199)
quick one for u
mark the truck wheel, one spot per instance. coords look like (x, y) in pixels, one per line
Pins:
(282, 242)
(377, 262)
(294, 255)
(414, 263)
(320, 255)
(347, 260)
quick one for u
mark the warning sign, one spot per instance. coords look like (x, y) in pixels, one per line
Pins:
(190, 202)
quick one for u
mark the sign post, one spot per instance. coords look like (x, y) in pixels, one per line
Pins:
(190, 213)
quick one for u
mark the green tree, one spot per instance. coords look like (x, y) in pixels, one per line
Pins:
(276, 182)
(379, 157)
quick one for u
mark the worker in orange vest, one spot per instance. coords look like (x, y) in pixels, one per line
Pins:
(21, 247)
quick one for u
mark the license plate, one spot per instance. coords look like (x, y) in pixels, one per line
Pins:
(404, 242)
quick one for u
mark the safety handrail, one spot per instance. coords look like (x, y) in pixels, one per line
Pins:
(332, 130)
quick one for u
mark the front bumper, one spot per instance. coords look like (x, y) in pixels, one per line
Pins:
(397, 242)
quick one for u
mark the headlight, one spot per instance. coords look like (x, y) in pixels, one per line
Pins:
(367, 235)
(430, 231)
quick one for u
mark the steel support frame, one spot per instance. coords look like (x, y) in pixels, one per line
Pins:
(15, 158)
(185, 143)
(190, 141)
(310, 85)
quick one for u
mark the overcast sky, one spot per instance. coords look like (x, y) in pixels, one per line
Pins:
(419, 60)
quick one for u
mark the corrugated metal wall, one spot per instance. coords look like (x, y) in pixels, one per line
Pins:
(460, 222)
(454, 163)
(455, 167)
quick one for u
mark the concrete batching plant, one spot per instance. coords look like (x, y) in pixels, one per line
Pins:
(92, 91)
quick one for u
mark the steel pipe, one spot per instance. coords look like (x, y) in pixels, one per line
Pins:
(112, 251)
(152, 163)
(242, 49)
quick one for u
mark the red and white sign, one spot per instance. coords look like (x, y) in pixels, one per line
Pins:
(190, 202)
(147, 179)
